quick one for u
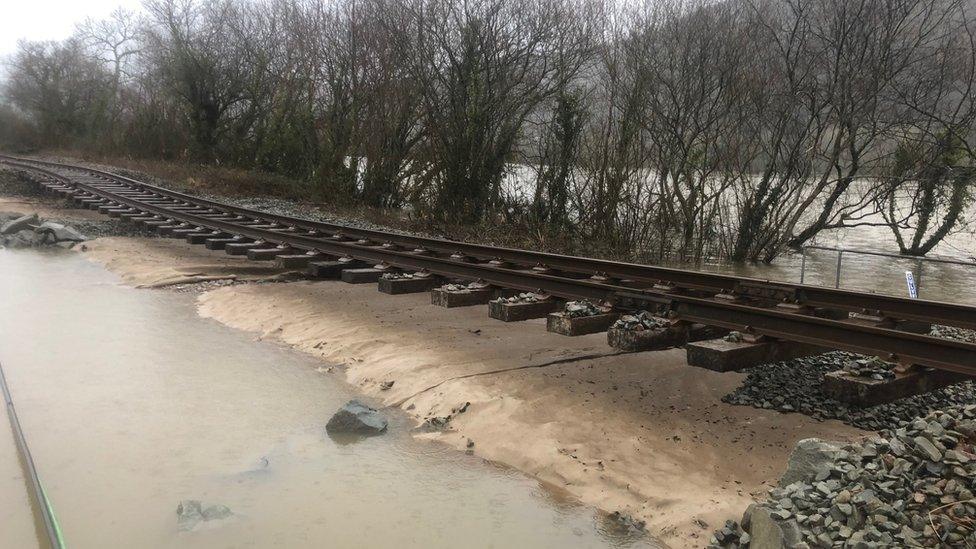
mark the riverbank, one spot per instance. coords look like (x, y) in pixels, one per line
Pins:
(643, 433)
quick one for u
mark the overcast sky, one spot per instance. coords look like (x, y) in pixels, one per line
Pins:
(50, 19)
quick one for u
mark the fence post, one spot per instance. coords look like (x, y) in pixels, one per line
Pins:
(803, 263)
(918, 277)
(840, 254)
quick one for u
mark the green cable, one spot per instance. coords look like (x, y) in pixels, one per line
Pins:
(51, 525)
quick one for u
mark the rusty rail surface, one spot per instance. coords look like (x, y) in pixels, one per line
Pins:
(793, 312)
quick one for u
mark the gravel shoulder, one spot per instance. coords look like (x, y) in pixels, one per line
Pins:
(21, 196)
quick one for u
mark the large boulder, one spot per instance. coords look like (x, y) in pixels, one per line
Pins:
(767, 530)
(61, 233)
(356, 418)
(20, 239)
(811, 457)
(19, 224)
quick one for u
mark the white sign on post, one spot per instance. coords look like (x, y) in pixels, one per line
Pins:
(912, 289)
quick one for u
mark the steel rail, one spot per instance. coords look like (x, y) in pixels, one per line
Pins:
(892, 344)
(46, 510)
(936, 312)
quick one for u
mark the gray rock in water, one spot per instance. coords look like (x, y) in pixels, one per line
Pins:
(216, 512)
(768, 532)
(356, 418)
(60, 232)
(20, 239)
(190, 513)
(19, 224)
(810, 458)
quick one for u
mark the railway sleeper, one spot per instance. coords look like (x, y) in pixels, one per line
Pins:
(365, 275)
(333, 269)
(443, 297)
(268, 254)
(862, 391)
(298, 260)
(241, 248)
(563, 324)
(220, 243)
(912, 326)
(519, 311)
(168, 230)
(662, 338)
(92, 203)
(153, 224)
(117, 212)
(722, 355)
(418, 284)
(107, 207)
(202, 236)
(140, 218)
(183, 232)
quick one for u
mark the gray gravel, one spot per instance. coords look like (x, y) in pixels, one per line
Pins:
(794, 386)
(640, 321)
(583, 307)
(913, 486)
(15, 184)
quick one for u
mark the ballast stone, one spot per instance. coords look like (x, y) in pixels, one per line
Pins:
(811, 457)
(768, 530)
(356, 418)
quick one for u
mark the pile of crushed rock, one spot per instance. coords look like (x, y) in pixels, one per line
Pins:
(29, 231)
(795, 386)
(641, 321)
(912, 486)
(524, 297)
(454, 287)
(582, 308)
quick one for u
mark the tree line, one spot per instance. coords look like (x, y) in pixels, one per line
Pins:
(668, 129)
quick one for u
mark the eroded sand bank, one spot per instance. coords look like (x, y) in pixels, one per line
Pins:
(641, 433)
(159, 262)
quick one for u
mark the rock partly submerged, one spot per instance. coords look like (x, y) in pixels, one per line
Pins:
(191, 513)
(355, 418)
(28, 231)
(60, 232)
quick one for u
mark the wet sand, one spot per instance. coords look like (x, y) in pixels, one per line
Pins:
(640, 433)
(173, 262)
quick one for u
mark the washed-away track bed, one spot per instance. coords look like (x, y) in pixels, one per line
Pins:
(725, 322)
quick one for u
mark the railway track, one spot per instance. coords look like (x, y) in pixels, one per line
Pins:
(859, 322)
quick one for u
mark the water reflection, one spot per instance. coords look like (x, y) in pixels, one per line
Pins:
(936, 281)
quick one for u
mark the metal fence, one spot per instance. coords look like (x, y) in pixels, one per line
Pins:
(919, 263)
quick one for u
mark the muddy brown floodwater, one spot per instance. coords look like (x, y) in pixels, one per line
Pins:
(870, 273)
(131, 403)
